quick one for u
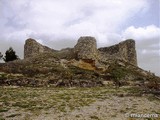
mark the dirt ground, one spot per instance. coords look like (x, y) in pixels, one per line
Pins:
(99, 103)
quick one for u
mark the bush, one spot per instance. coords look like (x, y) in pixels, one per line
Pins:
(1, 55)
(10, 55)
(118, 73)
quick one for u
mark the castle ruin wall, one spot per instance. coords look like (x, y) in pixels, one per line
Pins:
(86, 49)
(124, 50)
(32, 48)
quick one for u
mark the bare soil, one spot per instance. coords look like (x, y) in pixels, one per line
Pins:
(97, 103)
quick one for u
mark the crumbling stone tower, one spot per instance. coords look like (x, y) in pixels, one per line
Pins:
(86, 48)
(32, 47)
(128, 51)
(124, 50)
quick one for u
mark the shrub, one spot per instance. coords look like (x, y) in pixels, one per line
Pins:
(10, 55)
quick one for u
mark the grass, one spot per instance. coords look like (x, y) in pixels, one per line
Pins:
(35, 100)
(13, 115)
(93, 117)
(1, 118)
(152, 98)
(45, 98)
(3, 110)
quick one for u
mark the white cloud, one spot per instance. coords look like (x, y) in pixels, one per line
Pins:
(142, 33)
(69, 17)
(148, 38)
(148, 46)
(59, 23)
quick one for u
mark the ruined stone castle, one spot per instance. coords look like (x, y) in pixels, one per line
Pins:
(86, 49)
(83, 65)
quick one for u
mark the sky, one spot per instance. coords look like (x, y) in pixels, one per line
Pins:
(59, 23)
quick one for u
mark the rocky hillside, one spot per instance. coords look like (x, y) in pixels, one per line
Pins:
(84, 66)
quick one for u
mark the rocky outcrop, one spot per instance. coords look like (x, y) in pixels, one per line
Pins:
(32, 48)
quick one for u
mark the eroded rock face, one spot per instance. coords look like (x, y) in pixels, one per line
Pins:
(86, 48)
(32, 47)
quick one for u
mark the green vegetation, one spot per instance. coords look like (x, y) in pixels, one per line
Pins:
(10, 55)
(3, 110)
(94, 117)
(3, 75)
(13, 115)
(1, 56)
(79, 73)
(1, 118)
(118, 73)
(35, 99)
(61, 100)
(133, 90)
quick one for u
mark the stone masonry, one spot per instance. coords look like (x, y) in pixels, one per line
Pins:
(124, 50)
(86, 49)
(32, 47)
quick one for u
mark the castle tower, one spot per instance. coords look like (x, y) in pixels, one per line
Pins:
(32, 47)
(124, 50)
(127, 51)
(86, 48)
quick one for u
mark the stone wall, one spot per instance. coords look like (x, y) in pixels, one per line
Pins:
(32, 47)
(86, 49)
(124, 50)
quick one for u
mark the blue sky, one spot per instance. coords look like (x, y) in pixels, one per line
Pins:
(59, 23)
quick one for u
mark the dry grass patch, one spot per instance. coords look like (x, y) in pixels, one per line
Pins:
(27, 102)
